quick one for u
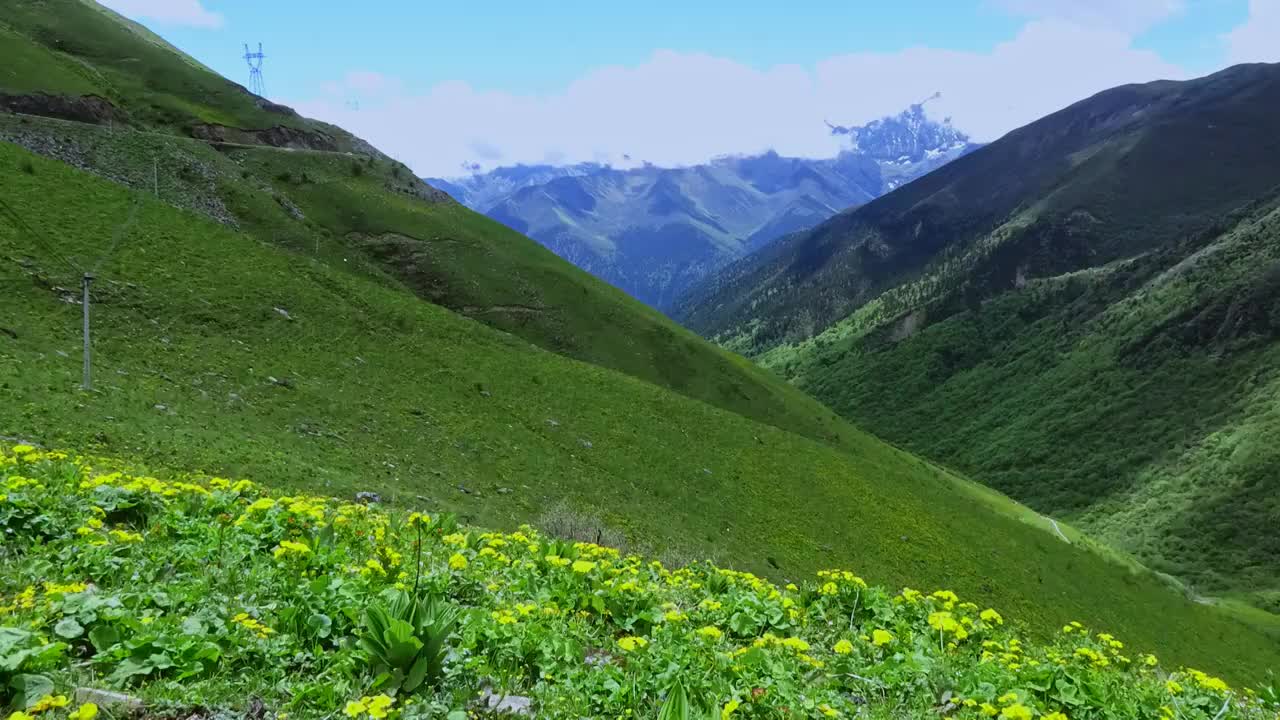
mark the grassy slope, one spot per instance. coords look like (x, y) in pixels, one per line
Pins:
(464, 261)
(995, 391)
(1078, 314)
(391, 394)
(30, 67)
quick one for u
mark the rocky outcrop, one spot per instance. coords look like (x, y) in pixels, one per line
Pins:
(82, 108)
(279, 136)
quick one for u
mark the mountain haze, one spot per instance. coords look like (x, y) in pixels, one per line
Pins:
(654, 232)
(1083, 314)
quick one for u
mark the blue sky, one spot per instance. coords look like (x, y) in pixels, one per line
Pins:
(496, 82)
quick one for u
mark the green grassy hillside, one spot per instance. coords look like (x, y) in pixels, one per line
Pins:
(370, 216)
(365, 387)
(136, 98)
(1082, 314)
(1137, 400)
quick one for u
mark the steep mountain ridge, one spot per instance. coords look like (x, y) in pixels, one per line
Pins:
(654, 232)
(1075, 313)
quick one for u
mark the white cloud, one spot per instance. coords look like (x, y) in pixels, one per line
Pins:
(1129, 16)
(679, 108)
(172, 12)
(1258, 39)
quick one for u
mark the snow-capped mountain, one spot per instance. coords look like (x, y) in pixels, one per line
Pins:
(908, 137)
(654, 232)
(484, 190)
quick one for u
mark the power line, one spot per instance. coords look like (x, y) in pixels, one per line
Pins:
(86, 276)
(21, 225)
(118, 235)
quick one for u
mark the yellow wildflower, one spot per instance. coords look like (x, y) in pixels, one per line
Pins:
(583, 567)
(291, 547)
(943, 621)
(458, 562)
(796, 644)
(261, 505)
(1208, 682)
(946, 596)
(710, 631)
(378, 706)
(632, 642)
(87, 711)
(51, 588)
(880, 638)
(843, 647)
(251, 624)
(1016, 712)
(49, 702)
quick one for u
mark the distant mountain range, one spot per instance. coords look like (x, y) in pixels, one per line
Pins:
(654, 232)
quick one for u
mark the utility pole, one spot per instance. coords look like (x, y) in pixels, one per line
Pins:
(86, 384)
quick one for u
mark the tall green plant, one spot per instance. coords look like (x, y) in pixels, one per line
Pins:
(676, 706)
(406, 640)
